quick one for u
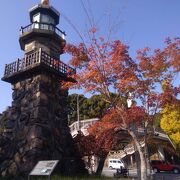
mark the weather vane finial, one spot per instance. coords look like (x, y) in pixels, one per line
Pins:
(45, 2)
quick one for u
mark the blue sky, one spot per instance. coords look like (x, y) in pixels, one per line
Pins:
(141, 23)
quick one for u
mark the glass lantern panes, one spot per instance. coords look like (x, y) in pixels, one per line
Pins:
(47, 22)
(43, 21)
(36, 20)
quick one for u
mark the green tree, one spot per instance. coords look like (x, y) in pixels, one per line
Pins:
(72, 106)
(93, 107)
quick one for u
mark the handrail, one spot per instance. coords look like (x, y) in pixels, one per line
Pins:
(42, 26)
(84, 124)
(36, 58)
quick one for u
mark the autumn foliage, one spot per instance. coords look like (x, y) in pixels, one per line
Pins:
(105, 67)
(100, 69)
(170, 123)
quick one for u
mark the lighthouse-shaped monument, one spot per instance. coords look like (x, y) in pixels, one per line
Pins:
(35, 127)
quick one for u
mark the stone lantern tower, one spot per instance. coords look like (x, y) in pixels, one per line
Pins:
(35, 126)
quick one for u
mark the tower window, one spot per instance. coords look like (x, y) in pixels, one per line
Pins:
(47, 19)
(43, 21)
(36, 18)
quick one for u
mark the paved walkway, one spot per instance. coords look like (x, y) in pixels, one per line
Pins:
(166, 176)
(133, 173)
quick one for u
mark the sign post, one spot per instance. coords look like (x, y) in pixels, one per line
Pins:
(43, 168)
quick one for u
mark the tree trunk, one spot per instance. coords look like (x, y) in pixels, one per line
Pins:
(100, 166)
(141, 155)
(138, 165)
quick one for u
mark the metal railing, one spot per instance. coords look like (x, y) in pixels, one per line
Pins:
(84, 125)
(42, 26)
(36, 58)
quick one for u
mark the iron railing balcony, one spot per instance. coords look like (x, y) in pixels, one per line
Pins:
(36, 59)
(42, 26)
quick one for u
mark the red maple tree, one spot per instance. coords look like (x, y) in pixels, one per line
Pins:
(105, 67)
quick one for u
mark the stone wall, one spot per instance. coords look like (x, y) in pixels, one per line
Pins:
(36, 128)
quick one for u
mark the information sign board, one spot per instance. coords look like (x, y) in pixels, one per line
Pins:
(44, 168)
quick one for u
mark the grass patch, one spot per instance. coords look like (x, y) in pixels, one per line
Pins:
(86, 178)
(57, 177)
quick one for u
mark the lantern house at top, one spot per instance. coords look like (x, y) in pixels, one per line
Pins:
(43, 43)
